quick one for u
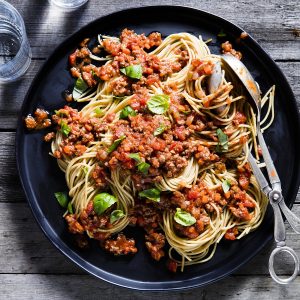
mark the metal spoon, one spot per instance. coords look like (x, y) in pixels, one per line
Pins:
(274, 194)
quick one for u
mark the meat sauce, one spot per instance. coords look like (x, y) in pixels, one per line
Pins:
(166, 153)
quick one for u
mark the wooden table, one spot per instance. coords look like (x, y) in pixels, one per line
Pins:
(30, 267)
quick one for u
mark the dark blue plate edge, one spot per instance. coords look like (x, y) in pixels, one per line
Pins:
(118, 280)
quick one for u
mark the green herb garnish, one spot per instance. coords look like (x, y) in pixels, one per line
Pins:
(158, 104)
(143, 167)
(152, 194)
(70, 208)
(135, 156)
(79, 88)
(159, 130)
(222, 145)
(64, 128)
(134, 71)
(226, 185)
(116, 215)
(102, 202)
(184, 218)
(62, 199)
(98, 111)
(115, 144)
(127, 111)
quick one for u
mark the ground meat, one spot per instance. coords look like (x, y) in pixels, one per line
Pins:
(128, 51)
(231, 234)
(49, 136)
(227, 49)
(82, 131)
(172, 265)
(121, 86)
(244, 35)
(120, 246)
(239, 118)
(74, 226)
(92, 222)
(244, 176)
(240, 205)
(100, 176)
(197, 201)
(39, 121)
(205, 157)
(154, 243)
(200, 68)
(30, 122)
(147, 216)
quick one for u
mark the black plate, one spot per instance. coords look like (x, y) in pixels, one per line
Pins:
(41, 177)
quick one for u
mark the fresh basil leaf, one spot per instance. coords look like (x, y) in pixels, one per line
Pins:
(223, 141)
(127, 111)
(133, 71)
(135, 156)
(64, 128)
(184, 218)
(116, 215)
(221, 34)
(152, 194)
(79, 88)
(62, 199)
(70, 208)
(115, 144)
(226, 185)
(143, 167)
(102, 202)
(98, 111)
(159, 130)
(61, 113)
(158, 104)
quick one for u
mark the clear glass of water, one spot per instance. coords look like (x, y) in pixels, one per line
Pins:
(15, 53)
(68, 4)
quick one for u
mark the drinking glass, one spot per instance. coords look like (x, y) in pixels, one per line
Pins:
(15, 53)
(68, 4)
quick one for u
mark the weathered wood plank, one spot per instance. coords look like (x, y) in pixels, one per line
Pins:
(12, 95)
(86, 287)
(10, 187)
(269, 22)
(25, 249)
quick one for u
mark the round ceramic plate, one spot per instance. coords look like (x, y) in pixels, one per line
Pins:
(41, 176)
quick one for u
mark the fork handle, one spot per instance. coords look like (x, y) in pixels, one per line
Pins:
(274, 178)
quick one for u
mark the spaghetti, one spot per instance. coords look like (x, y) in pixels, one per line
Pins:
(153, 147)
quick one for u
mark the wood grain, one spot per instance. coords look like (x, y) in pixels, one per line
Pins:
(56, 287)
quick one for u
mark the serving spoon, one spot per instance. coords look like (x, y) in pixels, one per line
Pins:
(273, 193)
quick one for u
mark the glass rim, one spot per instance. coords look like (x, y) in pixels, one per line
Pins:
(66, 6)
(20, 19)
(23, 38)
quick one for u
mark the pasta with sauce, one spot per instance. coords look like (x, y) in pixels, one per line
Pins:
(154, 147)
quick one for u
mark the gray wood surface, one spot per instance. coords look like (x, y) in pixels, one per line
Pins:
(30, 267)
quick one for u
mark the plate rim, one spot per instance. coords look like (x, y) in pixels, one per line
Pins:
(46, 227)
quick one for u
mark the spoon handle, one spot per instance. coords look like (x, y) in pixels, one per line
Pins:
(274, 178)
